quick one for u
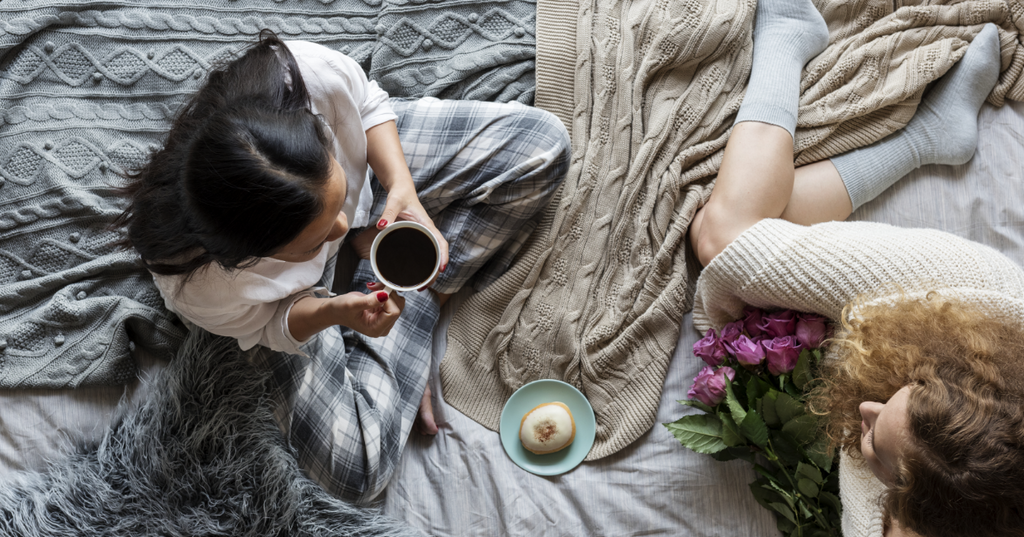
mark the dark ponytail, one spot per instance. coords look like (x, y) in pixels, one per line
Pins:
(241, 172)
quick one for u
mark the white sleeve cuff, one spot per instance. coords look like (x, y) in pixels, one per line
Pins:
(277, 335)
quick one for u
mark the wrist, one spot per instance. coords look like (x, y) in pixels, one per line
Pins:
(399, 186)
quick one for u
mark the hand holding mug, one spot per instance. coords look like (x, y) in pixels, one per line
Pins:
(405, 256)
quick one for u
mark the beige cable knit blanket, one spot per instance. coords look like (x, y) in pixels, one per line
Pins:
(648, 89)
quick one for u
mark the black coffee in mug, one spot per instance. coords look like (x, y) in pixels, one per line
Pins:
(406, 257)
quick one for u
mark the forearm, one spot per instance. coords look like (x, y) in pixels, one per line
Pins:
(384, 154)
(308, 316)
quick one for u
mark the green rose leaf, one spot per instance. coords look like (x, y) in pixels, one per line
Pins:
(754, 429)
(807, 488)
(810, 472)
(738, 412)
(756, 389)
(701, 433)
(785, 511)
(803, 429)
(785, 527)
(831, 500)
(802, 371)
(763, 493)
(696, 404)
(768, 405)
(820, 454)
(731, 434)
(787, 407)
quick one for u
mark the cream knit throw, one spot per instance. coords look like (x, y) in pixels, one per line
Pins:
(649, 88)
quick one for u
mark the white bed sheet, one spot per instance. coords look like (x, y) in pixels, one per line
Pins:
(461, 482)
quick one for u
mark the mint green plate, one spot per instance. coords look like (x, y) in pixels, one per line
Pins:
(540, 392)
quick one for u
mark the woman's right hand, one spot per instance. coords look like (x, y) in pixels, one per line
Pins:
(368, 314)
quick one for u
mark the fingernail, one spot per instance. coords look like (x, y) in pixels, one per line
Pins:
(382, 223)
(371, 284)
(382, 296)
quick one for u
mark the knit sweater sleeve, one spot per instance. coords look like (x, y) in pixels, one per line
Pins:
(824, 267)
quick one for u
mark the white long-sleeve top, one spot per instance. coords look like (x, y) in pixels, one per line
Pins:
(252, 304)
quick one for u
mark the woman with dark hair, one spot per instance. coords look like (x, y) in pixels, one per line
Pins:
(241, 216)
(924, 382)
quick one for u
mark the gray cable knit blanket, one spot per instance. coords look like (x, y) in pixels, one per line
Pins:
(88, 89)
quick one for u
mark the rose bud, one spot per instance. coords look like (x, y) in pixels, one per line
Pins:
(778, 324)
(746, 351)
(781, 354)
(810, 330)
(710, 349)
(751, 320)
(709, 385)
(732, 331)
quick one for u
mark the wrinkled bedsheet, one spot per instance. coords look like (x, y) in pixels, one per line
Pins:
(461, 482)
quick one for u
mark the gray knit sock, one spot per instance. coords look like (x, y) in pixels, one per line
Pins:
(787, 33)
(944, 130)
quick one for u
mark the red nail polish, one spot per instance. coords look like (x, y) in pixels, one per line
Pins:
(382, 223)
(371, 284)
(382, 296)
(444, 267)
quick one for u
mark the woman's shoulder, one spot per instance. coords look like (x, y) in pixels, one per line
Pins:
(314, 58)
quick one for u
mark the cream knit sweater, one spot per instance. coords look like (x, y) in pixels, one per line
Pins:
(648, 89)
(822, 268)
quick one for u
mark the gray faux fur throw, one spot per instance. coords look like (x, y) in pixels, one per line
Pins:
(202, 455)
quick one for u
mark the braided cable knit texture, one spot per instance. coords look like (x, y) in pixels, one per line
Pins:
(597, 297)
(88, 90)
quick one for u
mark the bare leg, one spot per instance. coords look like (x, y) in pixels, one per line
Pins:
(756, 178)
(755, 182)
(819, 195)
(424, 423)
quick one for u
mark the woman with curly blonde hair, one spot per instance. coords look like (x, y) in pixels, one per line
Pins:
(950, 438)
(924, 385)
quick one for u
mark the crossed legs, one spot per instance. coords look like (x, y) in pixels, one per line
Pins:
(757, 179)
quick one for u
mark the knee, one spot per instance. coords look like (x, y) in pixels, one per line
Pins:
(708, 236)
(552, 139)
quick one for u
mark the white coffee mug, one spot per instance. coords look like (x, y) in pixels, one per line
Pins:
(390, 286)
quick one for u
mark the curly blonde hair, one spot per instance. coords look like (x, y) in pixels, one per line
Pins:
(962, 472)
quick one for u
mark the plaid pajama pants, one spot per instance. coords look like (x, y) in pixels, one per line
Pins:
(482, 171)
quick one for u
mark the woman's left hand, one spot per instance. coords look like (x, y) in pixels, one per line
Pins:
(403, 204)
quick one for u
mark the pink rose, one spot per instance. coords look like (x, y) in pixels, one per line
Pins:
(810, 330)
(709, 385)
(778, 324)
(751, 320)
(746, 351)
(732, 331)
(781, 354)
(710, 349)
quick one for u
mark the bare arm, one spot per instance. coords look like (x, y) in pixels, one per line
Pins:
(366, 314)
(385, 156)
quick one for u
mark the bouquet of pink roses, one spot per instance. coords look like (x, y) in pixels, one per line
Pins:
(752, 394)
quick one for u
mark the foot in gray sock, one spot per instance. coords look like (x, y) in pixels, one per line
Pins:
(787, 33)
(944, 130)
(945, 126)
